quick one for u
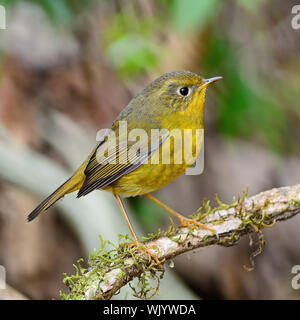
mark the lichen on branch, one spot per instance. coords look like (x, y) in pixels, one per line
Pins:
(110, 269)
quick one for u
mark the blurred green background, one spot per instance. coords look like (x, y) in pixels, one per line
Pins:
(67, 68)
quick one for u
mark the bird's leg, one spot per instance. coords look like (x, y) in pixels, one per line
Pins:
(136, 241)
(184, 222)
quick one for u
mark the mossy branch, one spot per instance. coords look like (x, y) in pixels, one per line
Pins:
(110, 270)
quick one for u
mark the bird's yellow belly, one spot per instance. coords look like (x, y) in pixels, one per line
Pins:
(146, 178)
(156, 173)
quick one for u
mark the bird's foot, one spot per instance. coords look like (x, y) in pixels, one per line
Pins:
(143, 249)
(192, 223)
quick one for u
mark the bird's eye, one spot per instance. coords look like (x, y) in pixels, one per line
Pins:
(184, 91)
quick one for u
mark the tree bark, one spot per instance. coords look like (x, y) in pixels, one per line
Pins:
(244, 216)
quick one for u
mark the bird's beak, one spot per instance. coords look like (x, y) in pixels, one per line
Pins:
(209, 81)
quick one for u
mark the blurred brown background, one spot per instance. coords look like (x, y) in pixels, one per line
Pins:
(67, 68)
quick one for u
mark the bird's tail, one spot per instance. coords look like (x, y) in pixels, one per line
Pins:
(71, 185)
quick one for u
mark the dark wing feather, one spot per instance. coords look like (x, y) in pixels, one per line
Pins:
(100, 173)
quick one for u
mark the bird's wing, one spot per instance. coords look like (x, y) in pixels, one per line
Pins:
(102, 170)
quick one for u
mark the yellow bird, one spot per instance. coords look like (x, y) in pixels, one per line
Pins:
(174, 103)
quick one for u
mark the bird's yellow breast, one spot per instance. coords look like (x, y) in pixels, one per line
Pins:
(165, 165)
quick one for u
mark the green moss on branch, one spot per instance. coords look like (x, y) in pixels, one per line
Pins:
(113, 266)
